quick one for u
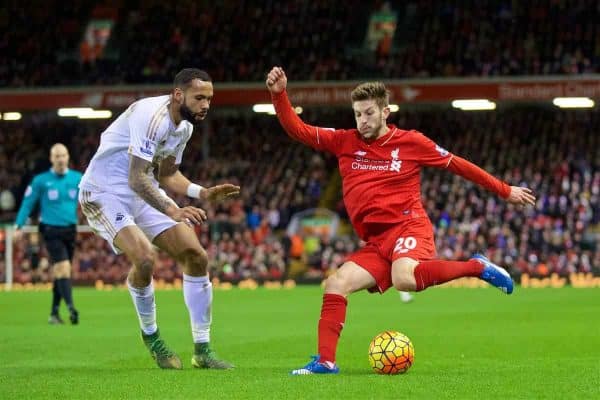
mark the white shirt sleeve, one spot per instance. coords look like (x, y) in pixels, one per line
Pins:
(179, 153)
(181, 145)
(144, 130)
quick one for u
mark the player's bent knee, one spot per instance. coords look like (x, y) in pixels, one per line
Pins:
(195, 261)
(144, 263)
(403, 281)
(142, 254)
(403, 277)
(337, 284)
(404, 285)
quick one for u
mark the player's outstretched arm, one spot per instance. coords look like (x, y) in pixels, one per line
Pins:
(293, 125)
(470, 171)
(171, 178)
(140, 183)
(318, 138)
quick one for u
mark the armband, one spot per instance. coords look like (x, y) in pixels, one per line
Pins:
(194, 190)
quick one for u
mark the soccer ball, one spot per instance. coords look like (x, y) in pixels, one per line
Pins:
(391, 353)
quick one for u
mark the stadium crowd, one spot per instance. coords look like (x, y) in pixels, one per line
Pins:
(278, 178)
(553, 152)
(232, 41)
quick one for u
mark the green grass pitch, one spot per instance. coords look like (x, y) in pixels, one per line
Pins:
(469, 343)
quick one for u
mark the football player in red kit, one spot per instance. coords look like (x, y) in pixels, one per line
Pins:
(380, 167)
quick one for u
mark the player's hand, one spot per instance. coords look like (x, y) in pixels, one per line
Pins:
(521, 195)
(276, 80)
(220, 192)
(193, 215)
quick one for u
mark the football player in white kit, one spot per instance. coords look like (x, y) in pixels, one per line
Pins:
(121, 197)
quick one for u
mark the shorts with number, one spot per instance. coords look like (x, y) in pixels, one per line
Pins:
(108, 213)
(412, 238)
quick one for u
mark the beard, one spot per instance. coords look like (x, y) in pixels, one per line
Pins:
(188, 115)
(373, 132)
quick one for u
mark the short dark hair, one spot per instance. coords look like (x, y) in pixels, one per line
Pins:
(185, 76)
(372, 91)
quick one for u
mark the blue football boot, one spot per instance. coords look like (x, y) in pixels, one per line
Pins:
(494, 275)
(315, 367)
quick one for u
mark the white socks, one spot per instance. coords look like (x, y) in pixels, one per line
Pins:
(197, 292)
(143, 300)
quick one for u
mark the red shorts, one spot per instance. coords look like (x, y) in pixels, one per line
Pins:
(412, 238)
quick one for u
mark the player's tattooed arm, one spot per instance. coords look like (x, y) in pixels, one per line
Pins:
(139, 182)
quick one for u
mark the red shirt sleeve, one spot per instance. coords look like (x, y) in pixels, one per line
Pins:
(433, 155)
(428, 153)
(472, 172)
(313, 136)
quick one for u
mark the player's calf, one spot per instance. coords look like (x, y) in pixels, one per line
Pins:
(435, 272)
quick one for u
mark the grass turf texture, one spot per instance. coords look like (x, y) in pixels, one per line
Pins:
(469, 343)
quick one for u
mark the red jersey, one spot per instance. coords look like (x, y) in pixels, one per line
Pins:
(381, 179)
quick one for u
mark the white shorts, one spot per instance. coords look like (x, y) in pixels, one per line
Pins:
(108, 213)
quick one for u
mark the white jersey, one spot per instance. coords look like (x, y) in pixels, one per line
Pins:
(144, 130)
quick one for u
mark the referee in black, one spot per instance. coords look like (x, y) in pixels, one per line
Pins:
(56, 190)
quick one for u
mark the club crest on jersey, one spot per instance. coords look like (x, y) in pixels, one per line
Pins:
(396, 163)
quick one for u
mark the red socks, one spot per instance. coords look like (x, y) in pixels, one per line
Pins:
(333, 316)
(427, 273)
(435, 272)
